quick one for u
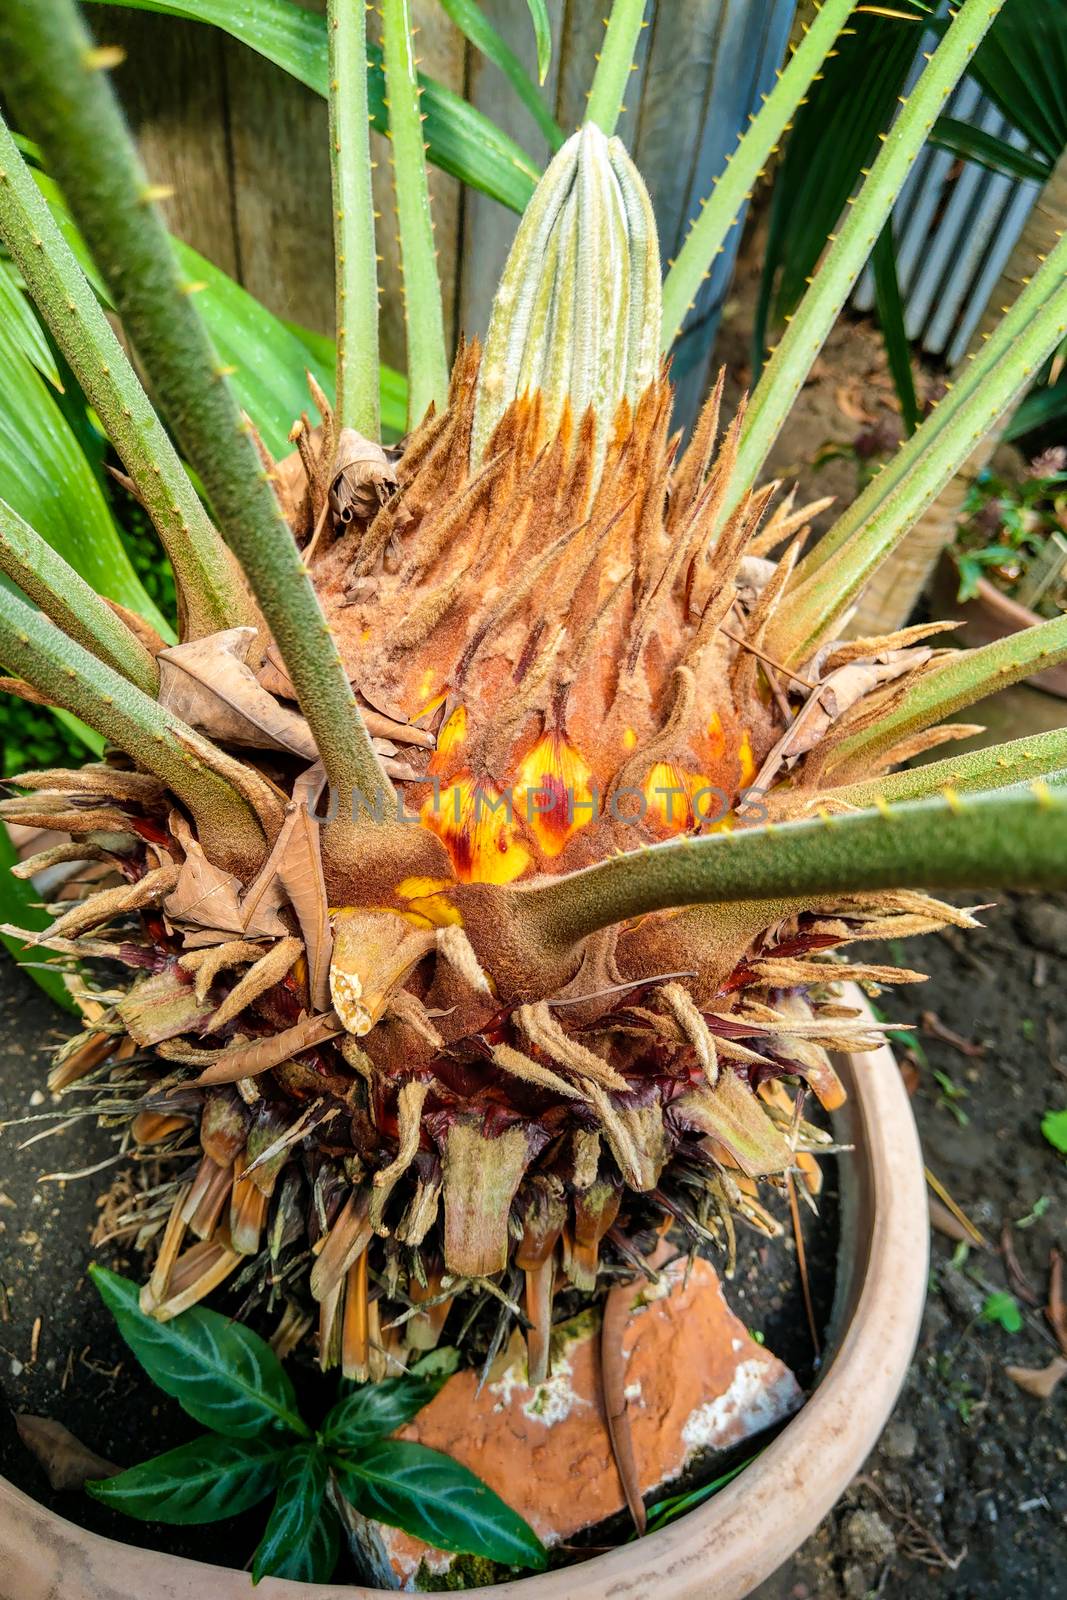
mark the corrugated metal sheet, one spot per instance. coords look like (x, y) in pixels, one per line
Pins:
(955, 226)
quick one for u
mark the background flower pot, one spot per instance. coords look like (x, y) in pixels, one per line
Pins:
(991, 615)
(718, 1552)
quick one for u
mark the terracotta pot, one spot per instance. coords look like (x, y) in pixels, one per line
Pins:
(725, 1548)
(991, 615)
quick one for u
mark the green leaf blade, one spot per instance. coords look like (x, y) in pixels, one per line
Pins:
(429, 1495)
(375, 1411)
(1003, 1309)
(1054, 1128)
(890, 309)
(301, 1539)
(20, 905)
(207, 1480)
(221, 1373)
(46, 478)
(542, 37)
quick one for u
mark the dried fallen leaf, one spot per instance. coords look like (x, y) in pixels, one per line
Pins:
(1019, 1280)
(1057, 1311)
(250, 1059)
(208, 683)
(65, 1461)
(207, 896)
(850, 403)
(942, 1220)
(830, 700)
(1039, 1381)
(298, 861)
(936, 1029)
(617, 1308)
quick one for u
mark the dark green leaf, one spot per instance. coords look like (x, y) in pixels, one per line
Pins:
(375, 1410)
(18, 314)
(301, 1541)
(1043, 407)
(543, 35)
(999, 155)
(269, 361)
(461, 140)
(471, 21)
(222, 1373)
(970, 572)
(1022, 65)
(45, 477)
(20, 903)
(205, 1481)
(675, 1506)
(440, 1362)
(433, 1497)
(891, 320)
(316, 1559)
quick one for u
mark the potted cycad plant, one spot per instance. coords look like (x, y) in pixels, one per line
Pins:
(480, 854)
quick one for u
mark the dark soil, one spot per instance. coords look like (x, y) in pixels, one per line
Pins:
(967, 1493)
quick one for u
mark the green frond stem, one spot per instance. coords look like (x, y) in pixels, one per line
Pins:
(1044, 757)
(1018, 837)
(803, 339)
(1002, 342)
(52, 584)
(55, 82)
(720, 211)
(813, 608)
(473, 23)
(227, 824)
(355, 257)
(614, 63)
(423, 315)
(961, 679)
(212, 594)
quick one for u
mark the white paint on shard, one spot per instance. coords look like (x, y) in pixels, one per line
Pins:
(750, 1404)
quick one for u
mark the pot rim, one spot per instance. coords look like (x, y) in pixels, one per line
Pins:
(737, 1538)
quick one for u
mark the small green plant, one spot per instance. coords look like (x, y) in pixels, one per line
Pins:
(1036, 1212)
(950, 1096)
(1054, 1127)
(1013, 532)
(1003, 1309)
(229, 1379)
